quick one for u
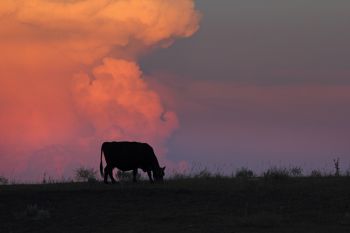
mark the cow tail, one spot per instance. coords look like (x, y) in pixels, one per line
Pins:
(101, 167)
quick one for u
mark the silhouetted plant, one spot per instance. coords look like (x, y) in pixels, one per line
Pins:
(85, 174)
(3, 180)
(179, 176)
(316, 173)
(276, 173)
(51, 180)
(347, 172)
(204, 173)
(296, 171)
(44, 181)
(336, 167)
(218, 175)
(244, 172)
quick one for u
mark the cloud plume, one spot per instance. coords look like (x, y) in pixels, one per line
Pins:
(70, 78)
(119, 104)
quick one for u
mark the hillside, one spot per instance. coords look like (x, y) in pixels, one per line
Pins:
(184, 205)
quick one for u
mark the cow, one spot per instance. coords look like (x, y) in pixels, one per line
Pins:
(128, 156)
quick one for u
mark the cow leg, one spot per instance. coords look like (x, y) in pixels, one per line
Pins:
(150, 176)
(110, 172)
(106, 175)
(134, 173)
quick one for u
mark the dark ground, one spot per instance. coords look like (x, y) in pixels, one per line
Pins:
(188, 205)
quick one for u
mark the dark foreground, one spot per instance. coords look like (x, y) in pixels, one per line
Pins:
(190, 205)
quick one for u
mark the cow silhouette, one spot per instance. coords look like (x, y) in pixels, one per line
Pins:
(128, 156)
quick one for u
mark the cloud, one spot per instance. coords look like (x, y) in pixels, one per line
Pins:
(70, 77)
(119, 104)
(85, 31)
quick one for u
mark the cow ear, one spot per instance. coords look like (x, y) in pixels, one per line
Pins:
(163, 168)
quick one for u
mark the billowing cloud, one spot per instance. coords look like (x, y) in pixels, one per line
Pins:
(84, 31)
(118, 104)
(70, 78)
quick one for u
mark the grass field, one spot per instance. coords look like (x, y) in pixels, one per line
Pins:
(305, 204)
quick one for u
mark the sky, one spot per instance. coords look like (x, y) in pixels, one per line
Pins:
(261, 83)
(224, 85)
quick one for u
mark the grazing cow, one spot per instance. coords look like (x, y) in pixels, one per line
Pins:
(128, 156)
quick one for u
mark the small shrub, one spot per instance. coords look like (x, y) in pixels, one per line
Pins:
(316, 173)
(3, 180)
(336, 167)
(85, 174)
(296, 171)
(276, 173)
(244, 173)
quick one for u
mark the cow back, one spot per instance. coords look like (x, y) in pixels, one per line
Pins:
(130, 155)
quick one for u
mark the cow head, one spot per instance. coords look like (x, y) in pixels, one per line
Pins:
(158, 174)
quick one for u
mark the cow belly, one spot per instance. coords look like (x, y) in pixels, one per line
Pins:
(129, 167)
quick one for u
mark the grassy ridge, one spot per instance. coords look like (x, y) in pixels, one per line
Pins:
(312, 204)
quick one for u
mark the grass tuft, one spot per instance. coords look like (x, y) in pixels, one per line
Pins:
(203, 174)
(347, 172)
(296, 171)
(244, 173)
(277, 173)
(316, 173)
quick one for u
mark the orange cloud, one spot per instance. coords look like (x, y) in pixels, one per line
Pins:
(49, 95)
(85, 31)
(120, 105)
